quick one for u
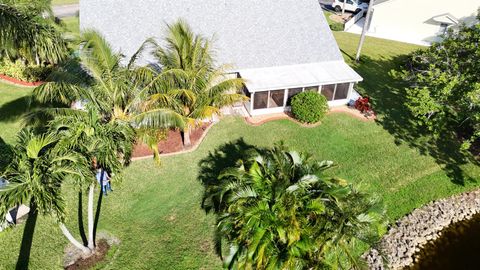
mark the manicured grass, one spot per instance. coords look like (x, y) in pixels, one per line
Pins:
(156, 211)
(13, 103)
(72, 25)
(64, 2)
(335, 26)
(327, 16)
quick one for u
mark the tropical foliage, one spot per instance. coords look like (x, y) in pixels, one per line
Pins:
(36, 173)
(28, 32)
(106, 144)
(35, 176)
(277, 210)
(100, 80)
(444, 91)
(197, 88)
(309, 107)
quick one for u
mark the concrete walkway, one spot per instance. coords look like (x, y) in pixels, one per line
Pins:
(66, 10)
(357, 27)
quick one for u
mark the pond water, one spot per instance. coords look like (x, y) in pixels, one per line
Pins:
(457, 248)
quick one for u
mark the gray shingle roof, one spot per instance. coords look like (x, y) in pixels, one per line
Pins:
(247, 33)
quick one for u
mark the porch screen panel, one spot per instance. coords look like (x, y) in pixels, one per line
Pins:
(276, 98)
(342, 91)
(328, 90)
(311, 89)
(260, 100)
(292, 92)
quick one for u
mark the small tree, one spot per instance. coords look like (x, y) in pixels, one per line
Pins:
(197, 89)
(277, 210)
(35, 176)
(108, 144)
(444, 92)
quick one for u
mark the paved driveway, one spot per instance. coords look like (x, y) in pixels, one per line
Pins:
(66, 10)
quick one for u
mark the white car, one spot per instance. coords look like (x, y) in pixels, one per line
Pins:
(350, 5)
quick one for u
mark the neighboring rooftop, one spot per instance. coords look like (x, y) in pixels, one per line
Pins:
(247, 33)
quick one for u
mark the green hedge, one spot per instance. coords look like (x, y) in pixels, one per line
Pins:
(309, 107)
(337, 26)
(23, 72)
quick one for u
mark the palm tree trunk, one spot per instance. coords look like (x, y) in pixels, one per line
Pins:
(27, 238)
(91, 240)
(97, 215)
(186, 137)
(74, 241)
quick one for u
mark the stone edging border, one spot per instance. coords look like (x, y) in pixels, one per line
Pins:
(249, 123)
(410, 234)
(14, 81)
(279, 117)
(288, 117)
(193, 148)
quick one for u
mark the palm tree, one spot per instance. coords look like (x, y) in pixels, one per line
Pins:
(197, 89)
(27, 33)
(109, 144)
(277, 210)
(35, 177)
(99, 79)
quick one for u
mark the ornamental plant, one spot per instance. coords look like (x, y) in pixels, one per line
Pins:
(309, 107)
(278, 209)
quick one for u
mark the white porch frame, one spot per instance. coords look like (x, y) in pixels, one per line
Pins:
(284, 107)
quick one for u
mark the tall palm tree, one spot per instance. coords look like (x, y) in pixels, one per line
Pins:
(109, 144)
(277, 210)
(28, 33)
(197, 88)
(35, 178)
(100, 80)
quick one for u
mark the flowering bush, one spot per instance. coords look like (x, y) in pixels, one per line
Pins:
(363, 105)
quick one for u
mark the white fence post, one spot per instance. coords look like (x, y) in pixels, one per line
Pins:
(353, 20)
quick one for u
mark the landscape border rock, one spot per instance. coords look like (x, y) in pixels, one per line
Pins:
(398, 248)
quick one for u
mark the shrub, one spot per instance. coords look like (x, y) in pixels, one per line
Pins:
(309, 107)
(24, 72)
(363, 104)
(336, 26)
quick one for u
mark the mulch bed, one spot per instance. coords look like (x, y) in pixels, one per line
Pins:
(19, 82)
(83, 264)
(172, 144)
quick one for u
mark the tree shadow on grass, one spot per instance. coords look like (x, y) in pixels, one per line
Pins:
(224, 156)
(13, 111)
(27, 239)
(389, 99)
(6, 155)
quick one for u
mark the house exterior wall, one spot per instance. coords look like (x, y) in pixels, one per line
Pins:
(410, 20)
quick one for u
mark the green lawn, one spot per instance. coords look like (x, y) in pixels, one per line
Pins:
(13, 103)
(72, 25)
(156, 212)
(64, 2)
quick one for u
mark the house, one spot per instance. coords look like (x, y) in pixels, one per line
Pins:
(280, 48)
(418, 22)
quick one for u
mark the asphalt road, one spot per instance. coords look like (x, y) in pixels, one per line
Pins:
(66, 10)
